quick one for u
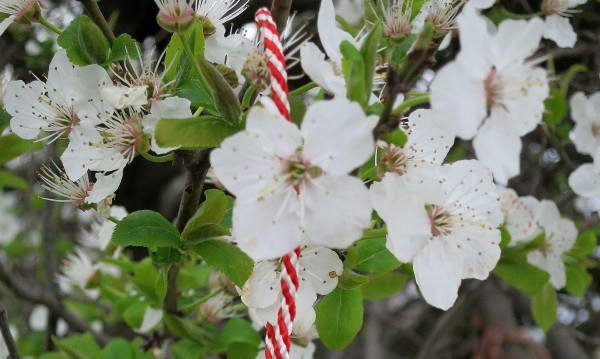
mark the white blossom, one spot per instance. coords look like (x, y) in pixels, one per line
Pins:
(219, 12)
(78, 271)
(80, 192)
(427, 145)
(319, 269)
(490, 93)
(585, 180)
(561, 234)
(16, 9)
(584, 111)
(292, 183)
(557, 26)
(69, 99)
(327, 73)
(519, 215)
(445, 224)
(170, 107)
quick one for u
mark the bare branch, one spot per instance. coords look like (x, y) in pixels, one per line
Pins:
(6, 334)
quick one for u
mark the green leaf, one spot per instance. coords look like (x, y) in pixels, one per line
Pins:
(124, 47)
(166, 255)
(522, 275)
(13, 146)
(227, 220)
(177, 63)
(52, 355)
(339, 317)
(186, 349)
(193, 133)
(585, 245)
(145, 277)
(544, 306)
(134, 314)
(397, 138)
(10, 180)
(383, 285)
(578, 279)
(84, 42)
(229, 259)
(185, 328)
(211, 211)
(145, 229)
(79, 347)
(371, 255)
(556, 107)
(368, 50)
(242, 351)
(297, 109)
(203, 233)
(118, 348)
(237, 331)
(198, 94)
(94, 44)
(160, 286)
(226, 100)
(350, 279)
(354, 69)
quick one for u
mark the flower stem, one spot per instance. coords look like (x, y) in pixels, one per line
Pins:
(158, 159)
(410, 103)
(199, 301)
(300, 90)
(42, 20)
(190, 55)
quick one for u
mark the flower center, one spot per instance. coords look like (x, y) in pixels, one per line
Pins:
(440, 219)
(299, 170)
(393, 159)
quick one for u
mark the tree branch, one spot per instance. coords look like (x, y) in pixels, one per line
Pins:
(280, 9)
(9, 342)
(197, 164)
(39, 295)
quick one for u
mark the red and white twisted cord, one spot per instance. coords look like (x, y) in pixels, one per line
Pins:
(276, 61)
(278, 339)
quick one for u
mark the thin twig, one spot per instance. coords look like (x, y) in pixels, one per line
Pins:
(197, 164)
(39, 295)
(9, 342)
(94, 11)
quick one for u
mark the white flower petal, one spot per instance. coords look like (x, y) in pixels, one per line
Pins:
(151, 319)
(6, 23)
(106, 185)
(429, 144)
(585, 181)
(331, 36)
(438, 274)
(409, 228)
(516, 40)
(498, 147)
(320, 267)
(559, 30)
(262, 289)
(337, 136)
(462, 114)
(18, 100)
(267, 228)
(337, 210)
(320, 71)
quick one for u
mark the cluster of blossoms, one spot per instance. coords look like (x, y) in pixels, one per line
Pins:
(585, 180)
(304, 185)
